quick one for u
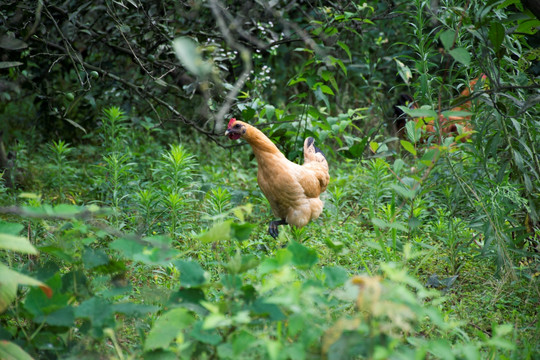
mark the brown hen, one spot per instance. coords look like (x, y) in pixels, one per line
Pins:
(292, 190)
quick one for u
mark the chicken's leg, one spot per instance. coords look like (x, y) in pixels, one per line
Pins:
(273, 227)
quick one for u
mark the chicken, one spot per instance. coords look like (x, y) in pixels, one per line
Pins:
(448, 126)
(292, 190)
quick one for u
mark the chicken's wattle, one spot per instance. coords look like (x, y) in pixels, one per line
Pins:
(234, 136)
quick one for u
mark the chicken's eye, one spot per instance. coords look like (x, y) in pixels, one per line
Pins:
(236, 126)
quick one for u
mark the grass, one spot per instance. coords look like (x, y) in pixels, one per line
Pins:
(219, 180)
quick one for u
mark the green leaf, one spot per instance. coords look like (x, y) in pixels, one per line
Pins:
(241, 341)
(496, 35)
(11, 280)
(408, 146)
(167, 328)
(187, 52)
(383, 224)
(264, 308)
(10, 228)
(518, 159)
(10, 43)
(403, 191)
(17, 243)
(128, 247)
(11, 351)
(210, 336)
(61, 317)
(345, 48)
(132, 309)
(37, 302)
(319, 95)
(413, 133)
(459, 113)
(461, 55)
(270, 111)
(191, 273)
(8, 289)
(528, 26)
(335, 276)
(374, 146)
(340, 64)
(422, 112)
(404, 71)
(241, 232)
(241, 263)
(93, 258)
(220, 231)
(326, 89)
(447, 39)
(302, 256)
(98, 310)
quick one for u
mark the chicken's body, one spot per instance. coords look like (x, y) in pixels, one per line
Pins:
(292, 190)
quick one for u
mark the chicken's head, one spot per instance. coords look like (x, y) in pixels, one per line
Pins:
(235, 129)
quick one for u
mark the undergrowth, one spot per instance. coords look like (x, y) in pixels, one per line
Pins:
(161, 257)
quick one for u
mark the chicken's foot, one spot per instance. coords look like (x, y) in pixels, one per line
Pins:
(273, 227)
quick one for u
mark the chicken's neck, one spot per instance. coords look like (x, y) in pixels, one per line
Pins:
(260, 144)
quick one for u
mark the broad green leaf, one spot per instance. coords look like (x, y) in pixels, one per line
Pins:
(518, 159)
(461, 55)
(319, 95)
(403, 191)
(98, 310)
(8, 289)
(422, 112)
(10, 228)
(528, 26)
(408, 146)
(326, 89)
(132, 309)
(189, 55)
(93, 258)
(61, 317)
(241, 263)
(207, 336)
(38, 302)
(262, 307)
(128, 247)
(447, 39)
(441, 349)
(335, 276)
(496, 35)
(383, 224)
(191, 273)
(340, 64)
(218, 232)
(11, 351)
(459, 113)
(17, 243)
(241, 232)
(403, 71)
(414, 133)
(345, 48)
(374, 146)
(167, 328)
(11, 43)
(241, 341)
(470, 351)
(270, 111)
(10, 279)
(302, 256)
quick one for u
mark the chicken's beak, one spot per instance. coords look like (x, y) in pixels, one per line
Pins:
(227, 132)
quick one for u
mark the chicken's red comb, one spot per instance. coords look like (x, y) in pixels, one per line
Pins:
(231, 122)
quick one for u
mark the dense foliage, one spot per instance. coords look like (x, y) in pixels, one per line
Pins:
(130, 227)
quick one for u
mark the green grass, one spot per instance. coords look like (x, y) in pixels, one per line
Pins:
(345, 236)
